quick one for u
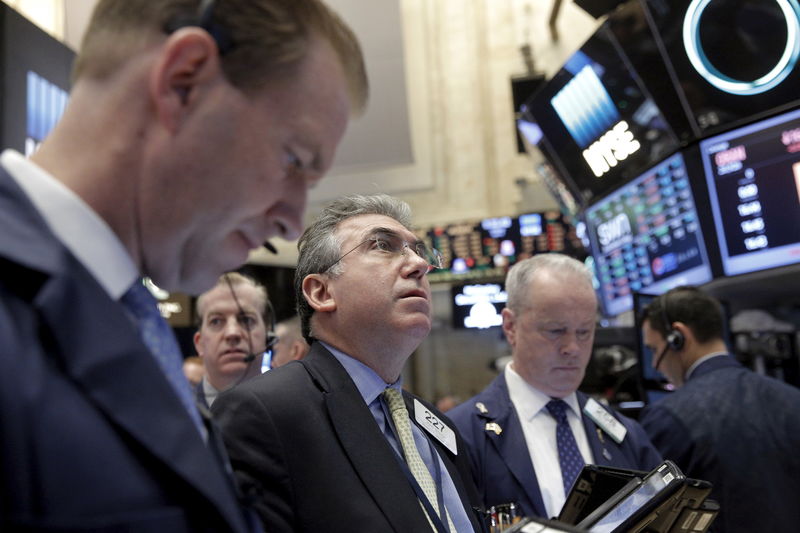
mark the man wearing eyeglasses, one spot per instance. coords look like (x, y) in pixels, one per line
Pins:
(323, 445)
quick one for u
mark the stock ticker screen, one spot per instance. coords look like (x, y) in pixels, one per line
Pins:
(487, 248)
(646, 237)
(753, 177)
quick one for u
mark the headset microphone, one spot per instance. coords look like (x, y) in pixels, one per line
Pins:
(270, 247)
(661, 356)
(249, 357)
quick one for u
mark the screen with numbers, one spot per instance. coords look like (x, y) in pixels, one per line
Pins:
(753, 177)
(646, 237)
(478, 250)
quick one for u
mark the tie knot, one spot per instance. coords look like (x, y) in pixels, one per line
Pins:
(394, 399)
(139, 301)
(558, 410)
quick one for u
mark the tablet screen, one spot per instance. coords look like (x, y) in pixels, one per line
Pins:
(645, 492)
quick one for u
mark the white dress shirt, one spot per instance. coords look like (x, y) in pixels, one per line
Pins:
(75, 224)
(539, 428)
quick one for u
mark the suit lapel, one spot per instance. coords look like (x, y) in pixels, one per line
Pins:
(123, 380)
(511, 442)
(364, 444)
(110, 365)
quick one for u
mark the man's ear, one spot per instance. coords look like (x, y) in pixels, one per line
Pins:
(509, 326)
(315, 290)
(683, 329)
(188, 60)
(196, 339)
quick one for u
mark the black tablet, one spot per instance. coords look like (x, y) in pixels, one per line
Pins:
(655, 503)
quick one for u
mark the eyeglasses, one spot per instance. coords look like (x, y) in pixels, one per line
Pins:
(388, 243)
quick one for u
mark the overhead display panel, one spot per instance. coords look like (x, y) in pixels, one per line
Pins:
(730, 60)
(753, 177)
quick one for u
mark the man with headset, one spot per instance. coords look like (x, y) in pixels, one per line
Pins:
(232, 336)
(725, 424)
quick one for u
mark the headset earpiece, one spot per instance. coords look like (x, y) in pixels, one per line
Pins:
(675, 340)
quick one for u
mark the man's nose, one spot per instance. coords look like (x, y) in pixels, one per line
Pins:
(233, 328)
(414, 264)
(570, 343)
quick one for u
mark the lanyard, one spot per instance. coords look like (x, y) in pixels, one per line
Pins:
(439, 521)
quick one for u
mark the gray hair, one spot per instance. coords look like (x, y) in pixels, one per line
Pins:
(319, 246)
(522, 273)
(235, 279)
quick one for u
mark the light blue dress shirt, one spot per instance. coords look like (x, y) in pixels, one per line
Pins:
(371, 386)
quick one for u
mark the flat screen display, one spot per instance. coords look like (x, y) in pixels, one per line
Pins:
(35, 69)
(646, 237)
(483, 249)
(478, 306)
(628, 24)
(753, 177)
(599, 119)
(730, 59)
(635, 501)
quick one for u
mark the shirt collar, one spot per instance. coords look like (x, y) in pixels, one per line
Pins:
(530, 401)
(369, 384)
(699, 362)
(75, 224)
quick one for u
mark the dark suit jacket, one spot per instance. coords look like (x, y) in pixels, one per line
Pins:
(740, 431)
(501, 464)
(305, 445)
(92, 436)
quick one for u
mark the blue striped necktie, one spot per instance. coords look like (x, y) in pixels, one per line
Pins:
(569, 456)
(159, 338)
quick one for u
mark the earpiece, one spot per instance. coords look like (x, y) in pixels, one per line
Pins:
(675, 339)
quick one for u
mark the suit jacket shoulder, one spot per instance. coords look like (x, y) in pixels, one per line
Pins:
(307, 450)
(92, 433)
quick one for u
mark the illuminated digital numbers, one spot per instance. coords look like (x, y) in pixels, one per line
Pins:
(753, 225)
(748, 191)
(756, 243)
(750, 208)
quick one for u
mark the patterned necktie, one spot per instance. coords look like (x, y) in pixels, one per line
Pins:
(158, 337)
(402, 423)
(569, 456)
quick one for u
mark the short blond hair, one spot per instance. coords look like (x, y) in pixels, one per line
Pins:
(269, 38)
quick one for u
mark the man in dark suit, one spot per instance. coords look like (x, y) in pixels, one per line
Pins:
(329, 443)
(232, 336)
(725, 424)
(530, 431)
(183, 146)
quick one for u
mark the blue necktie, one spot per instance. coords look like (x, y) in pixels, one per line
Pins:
(159, 338)
(569, 456)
